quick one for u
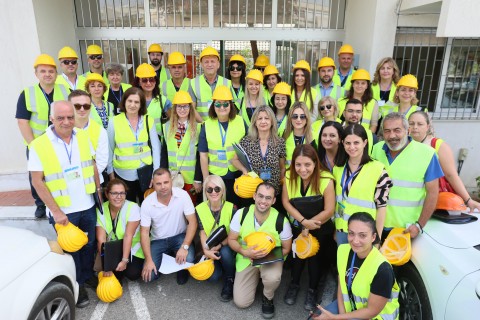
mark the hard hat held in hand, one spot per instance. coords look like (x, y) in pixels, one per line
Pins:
(109, 289)
(202, 270)
(70, 237)
(245, 185)
(397, 248)
(305, 247)
(262, 241)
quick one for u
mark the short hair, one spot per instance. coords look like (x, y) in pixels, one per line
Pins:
(267, 185)
(396, 70)
(58, 102)
(87, 84)
(114, 67)
(396, 116)
(231, 115)
(162, 171)
(78, 93)
(330, 100)
(131, 91)
(216, 180)
(368, 220)
(114, 182)
(265, 78)
(353, 101)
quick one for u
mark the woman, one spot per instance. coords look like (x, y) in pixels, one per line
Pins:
(224, 128)
(271, 77)
(361, 90)
(157, 105)
(213, 213)
(420, 130)
(366, 279)
(308, 177)
(384, 81)
(132, 146)
(116, 88)
(236, 73)
(328, 111)
(362, 184)
(330, 139)
(121, 220)
(281, 103)
(298, 130)
(302, 89)
(103, 111)
(253, 95)
(179, 148)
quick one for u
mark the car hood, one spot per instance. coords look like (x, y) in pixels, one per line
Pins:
(458, 236)
(19, 250)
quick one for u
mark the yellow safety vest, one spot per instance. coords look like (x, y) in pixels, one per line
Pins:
(348, 82)
(243, 111)
(367, 111)
(391, 106)
(124, 86)
(376, 92)
(206, 217)
(163, 75)
(95, 116)
(289, 148)
(237, 98)
(267, 97)
(94, 130)
(336, 93)
(80, 85)
(155, 111)
(317, 126)
(310, 104)
(283, 125)
(169, 90)
(203, 92)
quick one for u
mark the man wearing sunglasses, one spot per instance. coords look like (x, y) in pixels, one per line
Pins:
(69, 64)
(155, 54)
(179, 81)
(95, 62)
(326, 86)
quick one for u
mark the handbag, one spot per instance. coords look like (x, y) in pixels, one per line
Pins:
(443, 184)
(216, 237)
(145, 173)
(177, 179)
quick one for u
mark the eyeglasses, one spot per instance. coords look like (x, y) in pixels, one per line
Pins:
(71, 62)
(146, 80)
(117, 194)
(301, 116)
(183, 107)
(354, 111)
(328, 106)
(217, 189)
(233, 68)
(222, 104)
(79, 106)
(96, 57)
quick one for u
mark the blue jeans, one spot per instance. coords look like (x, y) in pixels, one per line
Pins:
(226, 264)
(333, 307)
(168, 246)
(84, 258)
(342, 237)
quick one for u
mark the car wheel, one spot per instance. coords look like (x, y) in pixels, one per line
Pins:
(55, 302)
(413, 299)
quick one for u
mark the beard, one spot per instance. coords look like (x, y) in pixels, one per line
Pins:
(402, 143)
(155, 62)
(326, 81)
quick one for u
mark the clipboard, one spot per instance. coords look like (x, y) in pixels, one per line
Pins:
(242, 156)
(274, 256)
(112, 254)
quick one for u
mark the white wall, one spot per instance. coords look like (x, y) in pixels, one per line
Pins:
(459, 19)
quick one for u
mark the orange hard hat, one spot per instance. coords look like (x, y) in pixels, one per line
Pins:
(451, 202)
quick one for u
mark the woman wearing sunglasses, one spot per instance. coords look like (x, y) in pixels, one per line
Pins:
(271, 77)
(223, 128)
(328, 111)
(302, 89)
(121, 220)
(103, 110)
(213, 213)
(237, 73)
(281, 102)
(253, 95)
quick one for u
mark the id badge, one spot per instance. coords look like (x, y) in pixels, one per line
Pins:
(265, 174)
(341, 208)
(222, 155)
(137, 147)
(72, 173)
(380, 103)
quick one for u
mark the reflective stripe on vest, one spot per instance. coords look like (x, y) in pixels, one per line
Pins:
(155, 111)
(376, 92)
(169, 90)
(308, 102)
(237, 99)
(348, 82)
(203, 92)
(94, 130)
(336, 93)
(368, 113)
(206, 217)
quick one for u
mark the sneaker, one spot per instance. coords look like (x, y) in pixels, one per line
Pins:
(92, 282)
(40, 212)
(227, 290)
(83, 300)
(182, 277)
(311, 299)
(291, 295)
(268, 309)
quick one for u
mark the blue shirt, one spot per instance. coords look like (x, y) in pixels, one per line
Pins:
(343, 77)
(326, 91)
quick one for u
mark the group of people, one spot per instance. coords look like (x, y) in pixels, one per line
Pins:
(364, 146)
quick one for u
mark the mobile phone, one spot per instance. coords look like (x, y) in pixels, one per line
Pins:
(315, 312)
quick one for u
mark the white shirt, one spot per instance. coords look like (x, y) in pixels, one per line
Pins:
(166, 220)
(235, 225)
(101, 153)
(76, 187)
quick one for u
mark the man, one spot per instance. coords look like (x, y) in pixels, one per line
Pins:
(343, 76)
(33, 109)
(65, 177)
(179, 80)
(202, 87)
(326, 87)
(97, 134)
(414, 170)
(69, 65)
(166, 212)
(95, 61)
(258, 217)
(155, 54)
(353, 114)
(261, 62)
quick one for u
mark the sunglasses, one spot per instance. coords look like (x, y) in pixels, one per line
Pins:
(71, 62)
(220, 104)
(146, 80)
(216, 189)
(238, 68)
(183, 107)
(96, 57)
(301, 116)
(328, 106)
(79, 106)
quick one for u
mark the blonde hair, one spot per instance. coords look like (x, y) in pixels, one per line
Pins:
(192, 124)
(414, 99)
(308, 123)
(333, 102)
(396, 70)
(253, 130)
(217, 181)
(260, 100)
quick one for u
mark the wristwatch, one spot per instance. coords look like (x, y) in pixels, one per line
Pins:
(185, 246)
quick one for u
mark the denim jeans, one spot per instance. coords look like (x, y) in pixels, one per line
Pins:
(341, 237)
(168, 246)
(333, 307)
(225, 265)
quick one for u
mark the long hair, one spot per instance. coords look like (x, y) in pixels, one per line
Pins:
(260, 100)
(367, 95)
(308, 87)
(334, 104)
(359, 131)
(321, 150)
(131, 91)
(253, 130)
(396, 70)
(192, 124)
(307, 130)
(242, 76)
(274, 108)
(231, 115)
(265, 78)
(156, 89)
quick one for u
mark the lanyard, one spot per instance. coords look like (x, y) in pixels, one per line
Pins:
(46, 97)
(350, 272)
(250, 107)
(345, 185)
(279, 122)
(136, 129)
(115, 96)
(218, 217)
(113, 233)
(264, 157)
(224, 136)
(301, 141)
(328, 164)
(69, 154)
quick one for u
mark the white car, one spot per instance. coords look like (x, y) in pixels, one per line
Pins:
(442, 279)
(37, 280)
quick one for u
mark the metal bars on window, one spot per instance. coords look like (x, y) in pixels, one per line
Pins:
(311, 14)
(110, 13)
(243, 14)
(179, 13)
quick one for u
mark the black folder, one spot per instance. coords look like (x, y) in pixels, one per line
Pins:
(274, 256)
(308, 206)
(112, 254)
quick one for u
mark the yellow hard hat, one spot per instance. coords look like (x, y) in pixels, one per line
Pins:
(326, 62)
(282, 88)
(145, 71)
(182, 97)
(255, 75)
(346, 48)
(408, 80)
(222, 93)
(237, 57)
(361, 74)
(302, 64)
(44, 59)
(305, 247)
(176, 58)
(155, 47)
(397, 248)
(94, 49)
(270, 70)
(262, 61)
(67, 52)
(202, 270)
(262, 241)
(93, 76)
(245, 186)
(209, 51)
(109, 289)
(70, 237)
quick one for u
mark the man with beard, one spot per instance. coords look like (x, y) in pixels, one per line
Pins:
(155, 54)
(414, 170)
(95, 61)
(69, 65)
(353, 114)
(326, 87)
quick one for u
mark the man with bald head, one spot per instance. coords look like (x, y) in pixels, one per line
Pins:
(65, 177)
